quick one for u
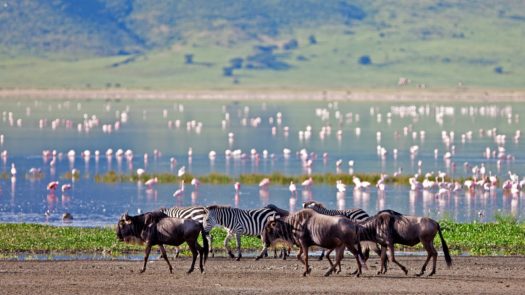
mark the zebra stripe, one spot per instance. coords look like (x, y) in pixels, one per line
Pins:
(355, 214)
(238, 222)
(197, 213)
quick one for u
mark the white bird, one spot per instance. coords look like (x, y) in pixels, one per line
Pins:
(360, 184)
(196, 183)
(13, 170)
(341, 187)
(237, 187)
(182, 171)
(140, 172)
(292, 188)
(66, 187)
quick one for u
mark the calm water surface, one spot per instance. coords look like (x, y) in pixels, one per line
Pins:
(378, 137)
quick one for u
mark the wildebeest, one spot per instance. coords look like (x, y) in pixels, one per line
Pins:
(308, 228)
(197, 213)
(389, 227)
(156, 228)
(354, 214)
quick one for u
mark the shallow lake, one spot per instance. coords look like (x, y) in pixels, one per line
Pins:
(406, 138)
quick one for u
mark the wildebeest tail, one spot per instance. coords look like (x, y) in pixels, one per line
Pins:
(448, 259)
(205, 243)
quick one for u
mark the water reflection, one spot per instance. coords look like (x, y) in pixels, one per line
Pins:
(253, 137)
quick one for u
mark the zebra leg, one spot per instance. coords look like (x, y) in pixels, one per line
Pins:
(227, 244)
(210, 243)
(177, 251)
(238, 235)
(165, 256)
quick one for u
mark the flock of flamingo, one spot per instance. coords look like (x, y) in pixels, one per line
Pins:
(440, 183)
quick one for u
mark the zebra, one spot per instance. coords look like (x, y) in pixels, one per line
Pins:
(197, 213)
(238, 222)
(355, 214)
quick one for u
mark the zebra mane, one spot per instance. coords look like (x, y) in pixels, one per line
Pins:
(213, 207)
(318, 204)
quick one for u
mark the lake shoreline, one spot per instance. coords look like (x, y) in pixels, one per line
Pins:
(388, 95)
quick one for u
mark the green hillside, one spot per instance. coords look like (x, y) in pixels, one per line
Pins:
(294, 44)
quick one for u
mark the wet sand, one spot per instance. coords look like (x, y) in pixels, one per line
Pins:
(469, 275)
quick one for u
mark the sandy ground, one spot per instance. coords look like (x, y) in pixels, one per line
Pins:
(469, 275)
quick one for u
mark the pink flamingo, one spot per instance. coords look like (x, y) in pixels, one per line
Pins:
(52, 186)
(66, 187)
(307, 184)
(237, 187)
(196, 183)
(150, 182)
(264, 183)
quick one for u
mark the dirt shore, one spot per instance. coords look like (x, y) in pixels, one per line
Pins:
(395, 94)
(469, 275)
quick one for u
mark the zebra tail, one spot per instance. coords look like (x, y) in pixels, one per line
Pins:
(205, 243)
(448, 259)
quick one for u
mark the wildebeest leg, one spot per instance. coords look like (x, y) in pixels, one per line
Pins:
(165, 256)
(227, 244)
(339, 251)
(383, 261)
(146, 256)
(330, 261)
(193, 250)
(393, 258)
(264, 251)
(357, 254)
(201, 254)
(238, 235)
(431, 253)
(307, 268)
(322, 254)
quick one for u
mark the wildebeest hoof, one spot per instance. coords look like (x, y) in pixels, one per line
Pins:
(142, 270)
(238, 258)
(257, 258)
(328, 273)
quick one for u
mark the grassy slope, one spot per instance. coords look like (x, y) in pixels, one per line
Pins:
(408, 40)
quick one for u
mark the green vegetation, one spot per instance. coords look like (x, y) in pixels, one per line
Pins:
(275, 178)
(305, 45)
(503, 237)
